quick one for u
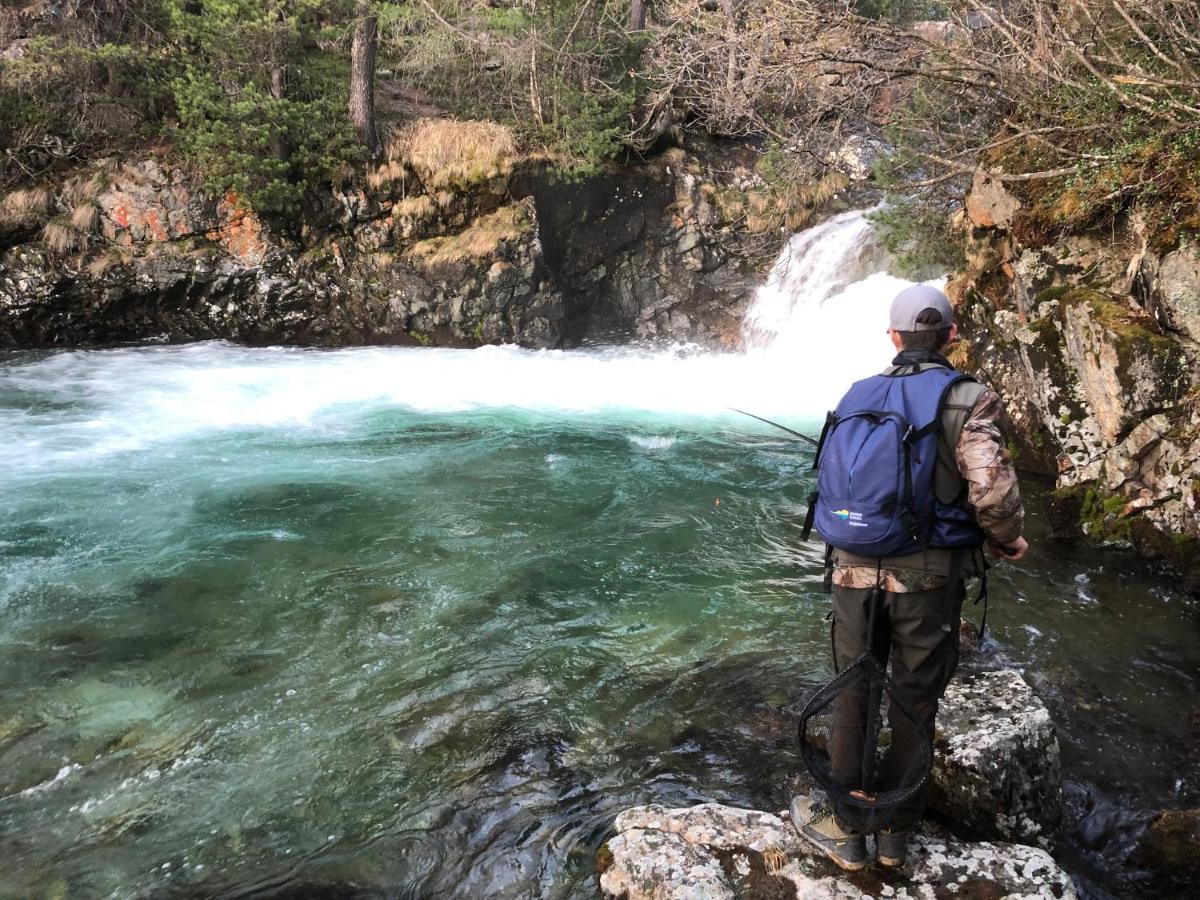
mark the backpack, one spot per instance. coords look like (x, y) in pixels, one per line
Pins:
(875, 466)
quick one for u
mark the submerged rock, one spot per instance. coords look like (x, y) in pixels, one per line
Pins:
(1171, 843)
(997, 771)
(713, 852)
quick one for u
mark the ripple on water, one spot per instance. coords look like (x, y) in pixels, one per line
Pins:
(458, 642)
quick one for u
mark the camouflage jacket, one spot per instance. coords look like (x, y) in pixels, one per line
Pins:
(972, 436)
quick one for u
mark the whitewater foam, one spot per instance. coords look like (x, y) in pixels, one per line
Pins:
(817, 324)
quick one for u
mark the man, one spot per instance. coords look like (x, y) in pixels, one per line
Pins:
(975, 483)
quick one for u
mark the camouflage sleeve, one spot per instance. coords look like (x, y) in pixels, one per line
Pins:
(985, 463)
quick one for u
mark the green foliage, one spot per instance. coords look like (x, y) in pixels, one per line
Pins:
(917, 235)
(61, 100)
(253, 92)
(261, 105)
(563, 74)
(588, 129)
(508, 20)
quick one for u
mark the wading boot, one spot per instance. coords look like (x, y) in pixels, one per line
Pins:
(891, 847)
(819, 826)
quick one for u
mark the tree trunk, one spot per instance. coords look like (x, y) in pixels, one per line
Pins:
(362, 80)
(637, 16)
(279, 144)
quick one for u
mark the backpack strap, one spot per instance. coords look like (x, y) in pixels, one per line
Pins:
(831, 419)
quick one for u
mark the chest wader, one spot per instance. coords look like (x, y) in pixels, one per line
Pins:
(855, 701)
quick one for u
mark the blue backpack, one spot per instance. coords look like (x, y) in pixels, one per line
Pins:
(875, 469)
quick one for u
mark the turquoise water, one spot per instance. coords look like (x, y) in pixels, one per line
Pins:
(275, 622)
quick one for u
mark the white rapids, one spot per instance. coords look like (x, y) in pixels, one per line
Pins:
(818, 323)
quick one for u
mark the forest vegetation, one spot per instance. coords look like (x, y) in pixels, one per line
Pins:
(1086, 109)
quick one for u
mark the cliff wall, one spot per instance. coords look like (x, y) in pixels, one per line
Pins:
(1094, 343)
(474, 247)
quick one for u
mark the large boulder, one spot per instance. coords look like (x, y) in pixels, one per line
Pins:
(997, 771)
(713, 852)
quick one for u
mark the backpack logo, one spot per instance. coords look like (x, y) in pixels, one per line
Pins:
(842, 513)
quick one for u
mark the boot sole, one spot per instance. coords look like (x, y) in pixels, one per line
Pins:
(839, 861)
(890, 862)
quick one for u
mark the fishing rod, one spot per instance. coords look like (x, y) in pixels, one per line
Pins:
(803, 437)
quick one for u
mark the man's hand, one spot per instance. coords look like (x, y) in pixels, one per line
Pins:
(1014, 551)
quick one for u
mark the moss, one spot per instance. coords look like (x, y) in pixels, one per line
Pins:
(1100, 517)
(477, 333)
(1052, 293)
(604, 859)
(479, 240)
(420, 337)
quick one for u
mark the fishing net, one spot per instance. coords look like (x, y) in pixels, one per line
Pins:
(868, 770)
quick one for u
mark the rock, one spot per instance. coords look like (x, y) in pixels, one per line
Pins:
(714, 852)
(856, 157)
(1171, 843)
(989, 204)
(1088, 342)
(997, 770)
(1176, 291)
(633, 251)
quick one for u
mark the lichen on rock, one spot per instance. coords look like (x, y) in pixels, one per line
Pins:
(715, 851)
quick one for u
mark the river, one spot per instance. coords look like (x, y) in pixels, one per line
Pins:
(418, 622)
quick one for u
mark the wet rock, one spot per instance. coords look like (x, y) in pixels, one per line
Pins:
(715, 851)
(997, 769)
(856, 157)
(1171, 843)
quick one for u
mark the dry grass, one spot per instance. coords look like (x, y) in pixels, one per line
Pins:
(792, 208)
(390, 172)
(83, 190)
(447, 153)
(101, 265)
(479, 240)
(60, 237)
(774, 859)
(419, 208)
(26, 206)
(84, 217)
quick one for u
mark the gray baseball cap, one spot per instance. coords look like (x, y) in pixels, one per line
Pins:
(912, 301)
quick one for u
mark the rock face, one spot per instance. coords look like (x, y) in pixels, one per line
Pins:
(1092, 343)
(712, 852)
(997, 769)
(498, 250)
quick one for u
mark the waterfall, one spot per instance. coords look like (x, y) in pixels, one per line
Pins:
(823, 310)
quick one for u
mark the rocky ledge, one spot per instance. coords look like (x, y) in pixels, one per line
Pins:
(455, 239)
(1093, 341)
(996, 777)
(712, 852)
